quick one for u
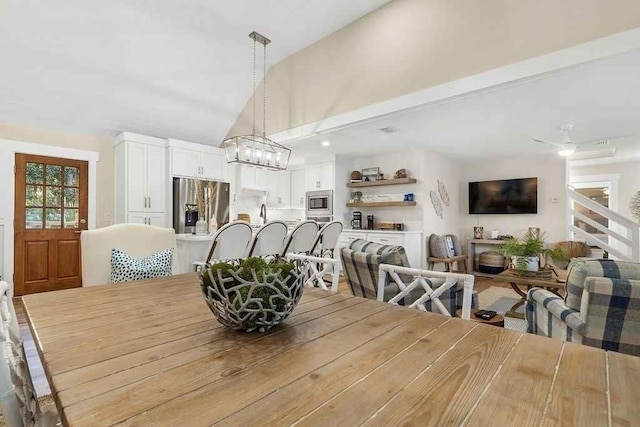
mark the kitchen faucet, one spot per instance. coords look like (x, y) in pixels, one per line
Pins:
(263, 213)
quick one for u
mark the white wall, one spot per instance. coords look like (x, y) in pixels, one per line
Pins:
(449, 172)
(551, 217)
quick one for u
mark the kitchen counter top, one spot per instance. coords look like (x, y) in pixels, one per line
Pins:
(350, 230)
(194, 237)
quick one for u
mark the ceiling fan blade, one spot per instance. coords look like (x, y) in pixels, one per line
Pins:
(546, 142)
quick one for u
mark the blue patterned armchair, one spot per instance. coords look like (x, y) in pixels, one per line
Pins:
(602, 307)
(360, 265)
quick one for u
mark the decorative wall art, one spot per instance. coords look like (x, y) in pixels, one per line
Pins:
(437, 206)
(634, 205)
(443, 193)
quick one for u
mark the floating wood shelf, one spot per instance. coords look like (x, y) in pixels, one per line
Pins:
(380, 183)
(379, 204)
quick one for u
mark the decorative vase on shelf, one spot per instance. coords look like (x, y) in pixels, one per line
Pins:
(201, 227)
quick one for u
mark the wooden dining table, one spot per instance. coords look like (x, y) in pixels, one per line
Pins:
(151, 353)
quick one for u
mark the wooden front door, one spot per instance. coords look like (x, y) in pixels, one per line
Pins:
(50, 211)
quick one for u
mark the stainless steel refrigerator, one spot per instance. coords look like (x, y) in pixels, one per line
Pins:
(193, 198)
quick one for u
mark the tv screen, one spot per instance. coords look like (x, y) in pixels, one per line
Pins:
(510, 196)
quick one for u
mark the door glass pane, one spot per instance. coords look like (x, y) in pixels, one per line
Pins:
(33, 218)
(70, 197)
(71, 218)
(54, 175)
(34, 196)
(71, 176)
(54, 197)
(54, 218)
(34, 173)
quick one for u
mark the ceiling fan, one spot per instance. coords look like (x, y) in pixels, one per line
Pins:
(567, 146)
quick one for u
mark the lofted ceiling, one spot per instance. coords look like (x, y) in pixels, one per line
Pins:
(169, 68)
(601, 98)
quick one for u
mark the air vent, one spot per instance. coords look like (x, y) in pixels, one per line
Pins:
(601, 143)
(594, 154)
(389, 129)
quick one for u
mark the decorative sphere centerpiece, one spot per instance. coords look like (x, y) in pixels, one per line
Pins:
(252, 294)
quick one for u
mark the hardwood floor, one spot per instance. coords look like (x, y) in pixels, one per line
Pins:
(37, 371)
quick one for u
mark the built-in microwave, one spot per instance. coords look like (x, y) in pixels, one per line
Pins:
(319, 203)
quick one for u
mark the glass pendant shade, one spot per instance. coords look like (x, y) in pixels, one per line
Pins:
(256, 150)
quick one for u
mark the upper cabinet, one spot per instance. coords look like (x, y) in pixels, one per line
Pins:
(298, 189)
(319, 176)
(141, 179)
(252, 178)
(279, 189)
(189, 160)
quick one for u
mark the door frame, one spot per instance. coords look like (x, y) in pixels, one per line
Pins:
(8, 150)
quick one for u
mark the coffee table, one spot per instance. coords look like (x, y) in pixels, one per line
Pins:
(522, 284)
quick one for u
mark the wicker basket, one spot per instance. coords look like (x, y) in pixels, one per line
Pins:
(251, 305)
(491, 262)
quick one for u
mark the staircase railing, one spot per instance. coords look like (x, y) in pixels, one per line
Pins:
(623, 244)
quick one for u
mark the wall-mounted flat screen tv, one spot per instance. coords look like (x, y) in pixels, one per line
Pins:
(508, 196)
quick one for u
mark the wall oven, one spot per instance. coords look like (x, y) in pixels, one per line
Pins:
(319, 203)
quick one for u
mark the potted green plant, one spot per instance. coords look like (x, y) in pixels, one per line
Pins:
(252, 294)
(525, 252)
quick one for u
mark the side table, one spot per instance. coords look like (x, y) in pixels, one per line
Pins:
(497, 320)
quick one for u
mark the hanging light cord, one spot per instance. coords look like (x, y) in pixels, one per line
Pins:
(253, 95)
(264, 91)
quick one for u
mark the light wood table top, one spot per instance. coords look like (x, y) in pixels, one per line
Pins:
(151, 353)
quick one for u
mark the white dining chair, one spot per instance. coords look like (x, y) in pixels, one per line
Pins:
(20, 406)
(327, 239)
(269, 240)
(230, 242)
(301, 238)
(137, 240)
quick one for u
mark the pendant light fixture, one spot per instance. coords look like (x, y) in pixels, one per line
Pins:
(254, 149)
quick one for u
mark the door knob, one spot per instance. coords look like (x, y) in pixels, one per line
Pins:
(83, 221)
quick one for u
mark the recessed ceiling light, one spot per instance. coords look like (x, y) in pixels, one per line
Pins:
(326, 143)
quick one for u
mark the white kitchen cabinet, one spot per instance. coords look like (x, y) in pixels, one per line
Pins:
(252, 178)
(190, 160)
(283, 199)
(212, 164)
(156, 179)
(184, 163)
(278, 189)
(157, 219)
(135, 157)
(141, 180)
(319, 176)
(150, 218)
(298, 189)
(136, 218)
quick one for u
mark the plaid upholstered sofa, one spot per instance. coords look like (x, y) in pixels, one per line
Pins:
(602, 307)
(360, 265)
